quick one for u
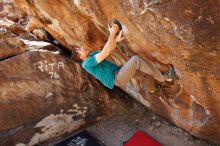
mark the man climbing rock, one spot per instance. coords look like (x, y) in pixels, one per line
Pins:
(108, 73)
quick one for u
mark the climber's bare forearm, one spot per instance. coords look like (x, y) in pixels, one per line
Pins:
(108, 48)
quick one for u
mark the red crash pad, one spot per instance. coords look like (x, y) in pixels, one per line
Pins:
(141, 139)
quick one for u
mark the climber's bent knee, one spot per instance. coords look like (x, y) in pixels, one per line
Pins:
(135, 57)
(136, 61)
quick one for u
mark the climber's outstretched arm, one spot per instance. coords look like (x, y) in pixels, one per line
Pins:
(110, 44)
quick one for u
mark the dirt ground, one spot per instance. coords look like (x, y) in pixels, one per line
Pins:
(123, 125)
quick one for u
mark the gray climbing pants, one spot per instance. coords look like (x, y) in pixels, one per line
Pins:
(128, 70)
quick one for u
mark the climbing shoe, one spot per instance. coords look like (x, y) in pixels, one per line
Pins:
(170, 73)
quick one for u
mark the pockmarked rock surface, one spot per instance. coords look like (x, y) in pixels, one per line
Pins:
(9, 11)
(184, 33)
(44, 95)
(10, 45)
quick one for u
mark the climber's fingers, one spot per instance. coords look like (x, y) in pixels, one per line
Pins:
(119, 37)
(109, 27)
(120, 33)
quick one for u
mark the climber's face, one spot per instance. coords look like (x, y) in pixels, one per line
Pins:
(83, 52)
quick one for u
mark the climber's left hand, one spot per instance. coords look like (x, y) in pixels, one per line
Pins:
(119, 37)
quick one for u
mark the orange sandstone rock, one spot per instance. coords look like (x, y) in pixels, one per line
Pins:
(184, 33)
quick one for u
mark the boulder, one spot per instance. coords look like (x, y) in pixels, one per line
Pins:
(184, 33)
(45, 96)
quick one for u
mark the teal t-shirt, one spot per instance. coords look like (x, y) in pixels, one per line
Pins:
(103, 71)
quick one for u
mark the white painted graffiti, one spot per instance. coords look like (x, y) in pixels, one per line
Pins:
(50, 68)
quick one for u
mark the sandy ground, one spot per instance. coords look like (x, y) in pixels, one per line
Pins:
(123, 125)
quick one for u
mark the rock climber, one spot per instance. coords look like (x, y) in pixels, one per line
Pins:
(108, 73)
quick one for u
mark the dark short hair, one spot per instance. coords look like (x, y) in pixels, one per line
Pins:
(115, 21)
(75, 57)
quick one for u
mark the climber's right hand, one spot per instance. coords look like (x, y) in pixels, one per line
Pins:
(113, 29)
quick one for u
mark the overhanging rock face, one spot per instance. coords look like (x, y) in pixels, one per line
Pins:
(45, 96)
(184, 33)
